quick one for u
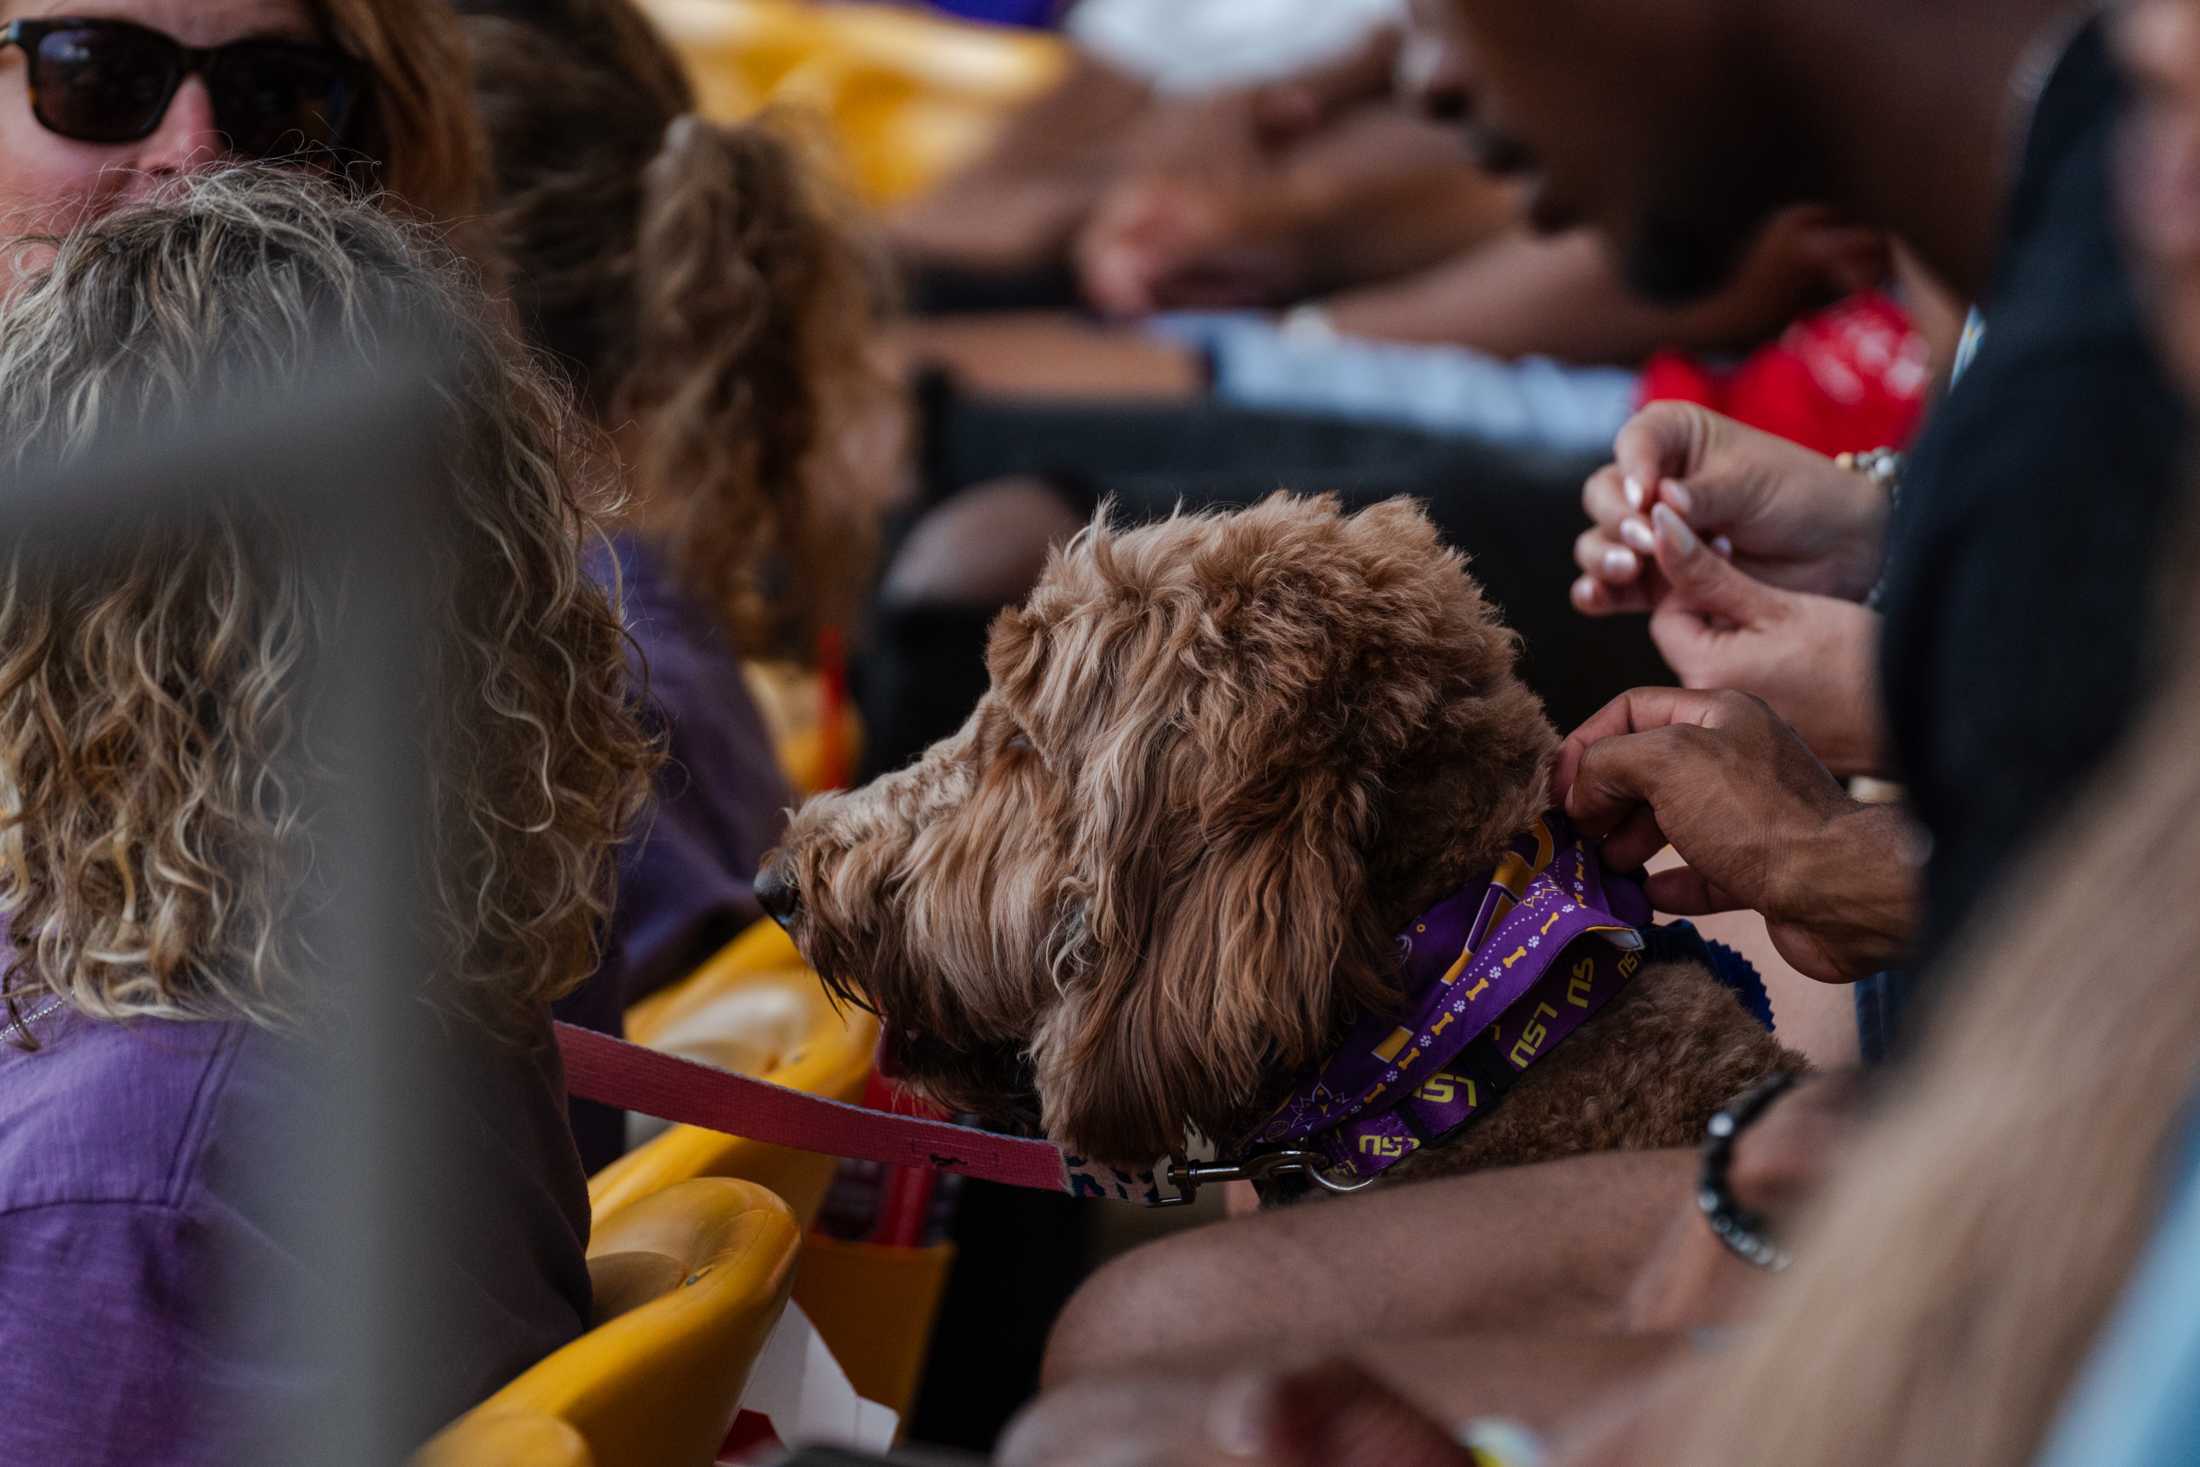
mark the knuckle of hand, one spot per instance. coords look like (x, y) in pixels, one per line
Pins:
(1735, 706)
(1688, 740)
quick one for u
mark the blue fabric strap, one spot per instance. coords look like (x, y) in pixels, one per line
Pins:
(1681, 942)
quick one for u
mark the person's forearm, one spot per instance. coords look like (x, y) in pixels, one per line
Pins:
(1395, 229)
(1838, 704)
(1019, 203)
(1543, 1381)
(1381, 193)
(1521, 295)
(1561, 1245)
(1040, 355)
(1857, 886)
(1871, 509)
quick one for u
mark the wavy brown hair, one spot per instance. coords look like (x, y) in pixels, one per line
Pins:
(157, 790)
(709, 291)
(418, 130)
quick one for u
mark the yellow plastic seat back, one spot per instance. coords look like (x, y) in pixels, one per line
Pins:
(689, 1285)
(757, 1010)
(876, 1306)
(512, 1438)
(908, 98)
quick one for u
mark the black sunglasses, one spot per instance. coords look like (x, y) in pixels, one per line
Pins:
(108, 81)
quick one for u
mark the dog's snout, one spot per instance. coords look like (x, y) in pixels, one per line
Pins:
(777, 894)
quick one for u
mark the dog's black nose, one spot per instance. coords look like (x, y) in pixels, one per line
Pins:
(776, 894)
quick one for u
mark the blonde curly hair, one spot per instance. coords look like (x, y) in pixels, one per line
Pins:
(709, 290)
(157, 787)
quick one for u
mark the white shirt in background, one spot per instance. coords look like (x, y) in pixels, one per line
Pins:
(1202, 45)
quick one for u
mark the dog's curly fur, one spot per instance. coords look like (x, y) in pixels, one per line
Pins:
(1224, 760)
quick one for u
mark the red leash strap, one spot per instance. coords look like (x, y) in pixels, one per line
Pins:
(600, 1068)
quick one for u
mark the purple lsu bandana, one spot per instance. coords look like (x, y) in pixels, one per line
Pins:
(1494, 976)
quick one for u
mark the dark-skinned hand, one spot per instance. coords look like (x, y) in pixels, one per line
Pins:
(1760, 823)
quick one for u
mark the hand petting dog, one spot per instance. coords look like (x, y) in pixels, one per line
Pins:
(1761, 824)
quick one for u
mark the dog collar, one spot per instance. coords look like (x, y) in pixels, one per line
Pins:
(1495, 977)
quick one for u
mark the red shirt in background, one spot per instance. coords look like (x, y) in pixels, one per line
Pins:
(1851, 378)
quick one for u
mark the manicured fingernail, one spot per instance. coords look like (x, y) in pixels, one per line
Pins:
(1636, 532)
(1675, 530)
(1635, 494)
(1676, 494)
(1724, 547)
(1620, 565)
(1239, 1416)
(1585, 594)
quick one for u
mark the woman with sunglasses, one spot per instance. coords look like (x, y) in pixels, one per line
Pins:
(103, 100)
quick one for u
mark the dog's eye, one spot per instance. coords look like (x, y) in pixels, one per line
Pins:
(1019, 743)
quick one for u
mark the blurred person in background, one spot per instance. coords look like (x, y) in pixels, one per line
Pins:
(1212, 153)
(163, 1037)
(714, 304)
(1483, 376)
(1427, 336)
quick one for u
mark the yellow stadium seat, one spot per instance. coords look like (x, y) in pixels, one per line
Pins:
(512, 1438)
(689, 1285)
(755, 1009)
(909, 98)
(875, 1307)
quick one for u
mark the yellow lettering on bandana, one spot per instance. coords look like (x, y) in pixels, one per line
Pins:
(1530, 1043)
(1444, 1089)
(1389, 1148)
(1583, 980)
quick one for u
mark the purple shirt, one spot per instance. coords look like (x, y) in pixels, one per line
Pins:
(147, 1237)
(685, 878)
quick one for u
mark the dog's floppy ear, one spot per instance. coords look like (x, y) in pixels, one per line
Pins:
(1198, 964)
(1203, 687)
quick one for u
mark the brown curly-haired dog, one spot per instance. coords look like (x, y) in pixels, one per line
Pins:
(1224, 760)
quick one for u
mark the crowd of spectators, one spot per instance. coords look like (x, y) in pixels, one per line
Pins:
(1809, 383)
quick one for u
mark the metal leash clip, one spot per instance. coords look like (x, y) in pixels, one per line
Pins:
(1187, 1177)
